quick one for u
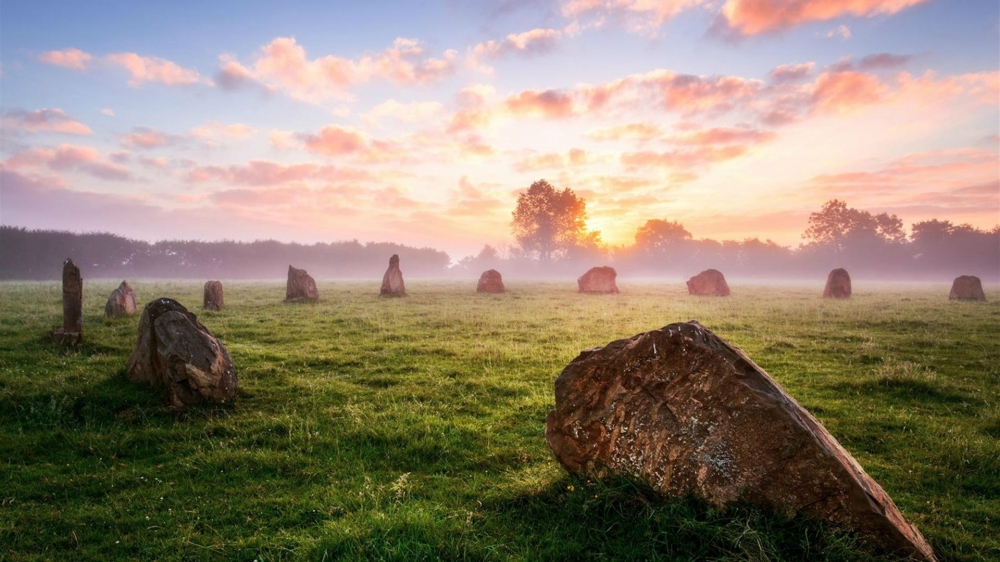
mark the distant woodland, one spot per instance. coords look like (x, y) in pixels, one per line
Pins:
(38, 254)
(936, 250)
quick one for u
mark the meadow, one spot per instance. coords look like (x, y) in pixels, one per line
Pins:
(412, 429)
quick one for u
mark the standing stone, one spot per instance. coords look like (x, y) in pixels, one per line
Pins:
(967, 288)
(213, 295)
(300, 286)
(490, 282)
(838, 285)
(681, 411)
(392, 281)
(121, 302)
(598, 280)
(72, 295)
(176, 352)
(710, 282)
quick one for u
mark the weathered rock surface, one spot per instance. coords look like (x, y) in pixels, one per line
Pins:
(213, 295)
(683, 412)
(300, 286)
(709, 282)
(72, 294)
(392, 281)
(598, 280)
(490, 282)
(176, 352)
(838, 285)
(967, 288)
(121, 302)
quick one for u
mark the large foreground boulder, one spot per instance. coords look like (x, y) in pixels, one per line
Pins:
(967, 288)
(300, 286)
(490, 282)
(392, 281)
(214, 299)
(72, 297)
(710, 282)
(177, 353)
(598, 280)
(838, 285)
(681, 411)
(121, 301)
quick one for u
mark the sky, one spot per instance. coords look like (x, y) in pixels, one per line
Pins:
(420, 122)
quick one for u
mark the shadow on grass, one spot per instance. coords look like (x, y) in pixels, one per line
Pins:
(574, 520)
(903, 390)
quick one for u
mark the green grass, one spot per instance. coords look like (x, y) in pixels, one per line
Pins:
(412, 429)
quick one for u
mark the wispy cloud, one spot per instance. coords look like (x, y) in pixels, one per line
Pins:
(67, 58)
(52, 120)
(154, 69)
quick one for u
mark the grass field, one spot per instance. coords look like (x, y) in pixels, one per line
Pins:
(412, 429)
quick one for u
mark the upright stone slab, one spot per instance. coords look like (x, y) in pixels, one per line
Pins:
(598, 280)
(300, 286)
(710, 282)
(967, 288)
(176, 352)
(392, 281)
(213, 295)
(838, 285)
(490, 282)
(72, 296)
(121, 301)
(681, 411)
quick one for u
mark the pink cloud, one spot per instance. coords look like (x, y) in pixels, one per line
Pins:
(213, 129)
(68, 158)
(143, 137)
(284, 65)
(534, 42)
(752, 17)
(883, 61)
(154, 69)
(719, 135)
(548, 103)
(690, 94)
(67, 58)
(842, 91)
(924, 185)
(641, 16)
(700, 156)
(791, 72)
(638, 131)
(336, 141)
(52, 120)
(264, 173)
(232, 75)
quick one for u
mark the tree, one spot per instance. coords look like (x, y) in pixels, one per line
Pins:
(658, 236)
(548, 222)
(839, 227)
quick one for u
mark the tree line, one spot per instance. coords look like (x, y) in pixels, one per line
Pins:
(552, 240)
(38, 254)
(549, 226)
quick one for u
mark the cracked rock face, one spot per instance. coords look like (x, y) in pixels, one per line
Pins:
(392, 281)
(177, 353)
(838, 285)
(300, 286)
(598, 280)
(490, 282)
(967, 288)
(710, 282)
(121, 302)
(681, 411)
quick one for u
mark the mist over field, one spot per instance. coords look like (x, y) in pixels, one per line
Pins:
(39, 255)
